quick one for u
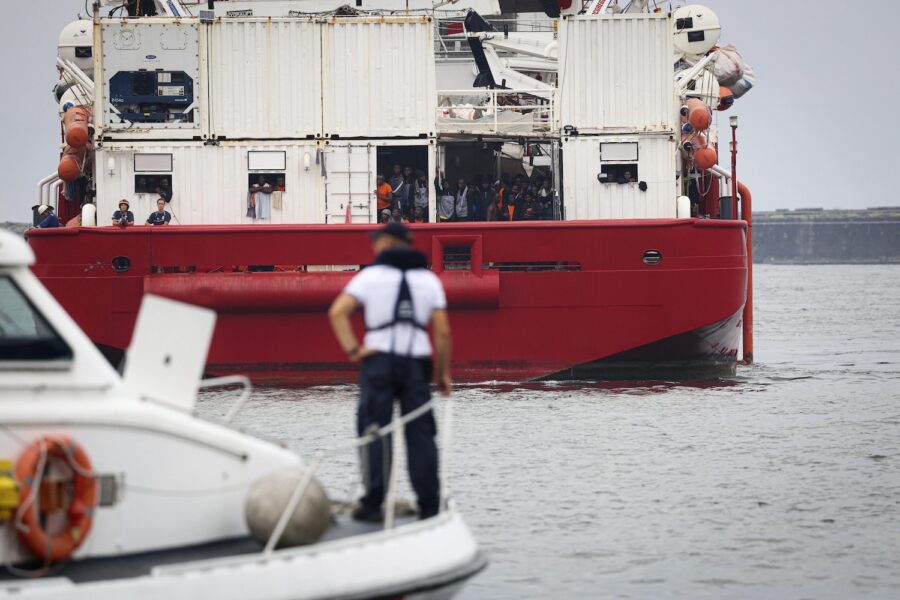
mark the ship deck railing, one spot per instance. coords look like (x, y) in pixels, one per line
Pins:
(391, 434)
(496, 112)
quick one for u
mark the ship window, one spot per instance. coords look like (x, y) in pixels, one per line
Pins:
(83, 52)
(153, 184)
(618, 173)
(144, 162)
(276, 180)
(619, 151)
(266, 160)
(685, 23)
(696, 36)
(25, 336)
(458, 258)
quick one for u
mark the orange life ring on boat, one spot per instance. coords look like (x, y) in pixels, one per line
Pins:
(54, 548)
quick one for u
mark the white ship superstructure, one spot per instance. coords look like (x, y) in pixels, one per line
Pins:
(203, 105)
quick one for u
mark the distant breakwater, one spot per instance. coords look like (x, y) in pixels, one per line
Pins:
(815, 236)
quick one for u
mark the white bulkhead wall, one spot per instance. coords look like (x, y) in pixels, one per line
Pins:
(587, 198)
(617, 74)
(265, 78)
(379, 77)
(210, 183)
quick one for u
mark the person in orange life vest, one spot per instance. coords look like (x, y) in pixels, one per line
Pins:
(514, 198)
(502, 189)
(383, 193)
(419, 216)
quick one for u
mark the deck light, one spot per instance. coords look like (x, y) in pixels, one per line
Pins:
(732, 120)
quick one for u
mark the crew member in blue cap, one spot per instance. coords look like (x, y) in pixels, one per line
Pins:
(400, 298)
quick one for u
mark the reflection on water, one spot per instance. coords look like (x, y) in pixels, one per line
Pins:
(781, 482)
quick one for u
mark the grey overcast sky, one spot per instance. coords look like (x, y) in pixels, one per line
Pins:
(817, 130)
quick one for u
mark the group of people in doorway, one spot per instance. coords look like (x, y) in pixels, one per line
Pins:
(508, 198)
(402, 197)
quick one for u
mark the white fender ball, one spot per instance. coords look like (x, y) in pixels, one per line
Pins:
(268, 498)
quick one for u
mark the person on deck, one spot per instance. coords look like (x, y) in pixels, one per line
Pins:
(446, 202)
(513, 199)
(383, 193)
(462, 200)
(485, 196)
(49, 219)
(400, 298)
(123, 217)
(164, 191)
(408, 195)
(397, 184)
(420, 195)
(160, 216)
(398, 217)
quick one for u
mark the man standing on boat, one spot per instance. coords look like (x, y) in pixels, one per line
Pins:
(400, 298)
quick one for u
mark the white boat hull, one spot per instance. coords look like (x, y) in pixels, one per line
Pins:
(425, 559)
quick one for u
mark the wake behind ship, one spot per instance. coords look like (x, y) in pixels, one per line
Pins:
(264, 129)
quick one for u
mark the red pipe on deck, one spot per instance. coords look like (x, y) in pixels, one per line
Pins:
(254, 293)
(747, 215)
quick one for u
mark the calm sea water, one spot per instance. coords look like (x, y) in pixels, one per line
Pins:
(781, 483)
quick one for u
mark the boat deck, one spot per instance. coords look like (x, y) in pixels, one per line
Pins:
(136, 565)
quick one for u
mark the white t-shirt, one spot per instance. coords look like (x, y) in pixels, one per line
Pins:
(377, 288)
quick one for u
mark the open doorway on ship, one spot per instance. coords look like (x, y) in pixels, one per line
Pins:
(413, 166)
(523, 166)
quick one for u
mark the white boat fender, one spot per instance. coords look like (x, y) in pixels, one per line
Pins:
(89, 215)
(268, 498)
(683, 207)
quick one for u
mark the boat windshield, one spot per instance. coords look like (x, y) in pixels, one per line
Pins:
(25, 336)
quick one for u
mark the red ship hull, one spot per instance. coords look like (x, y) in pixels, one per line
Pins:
(528, 301)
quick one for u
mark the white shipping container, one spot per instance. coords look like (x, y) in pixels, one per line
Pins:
(617, 74)
(141, 57)
(378, 77)
(585, 197)
(265, 78)
(210, 183)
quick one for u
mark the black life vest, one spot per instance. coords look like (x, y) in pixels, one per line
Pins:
(404, 260)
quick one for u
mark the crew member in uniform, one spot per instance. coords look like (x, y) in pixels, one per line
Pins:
(400, 298)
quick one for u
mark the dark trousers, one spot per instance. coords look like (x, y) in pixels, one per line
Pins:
(384, 378)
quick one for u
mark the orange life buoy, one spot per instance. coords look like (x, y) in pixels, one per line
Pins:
(71, 163)
(54, 548)
(76, 122)
(698, 115)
